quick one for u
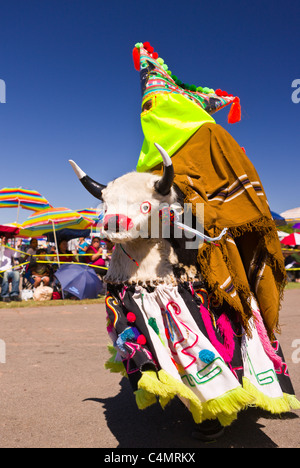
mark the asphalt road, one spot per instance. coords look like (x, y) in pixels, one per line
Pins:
(55, 392)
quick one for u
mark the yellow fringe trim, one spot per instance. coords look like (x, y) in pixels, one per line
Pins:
(115, 366)
(144, 399)
(292, 401)
(176, 388)
(165, 387)
(225, 408)
(274, 405)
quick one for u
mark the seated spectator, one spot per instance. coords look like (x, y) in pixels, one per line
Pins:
(82, 248)
(7, 259)
(65, 255)
(292, 260)
(31, 250)
(40, 272)
(96, 258)
(50, 248)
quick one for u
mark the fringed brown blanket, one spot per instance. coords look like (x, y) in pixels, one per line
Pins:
(211, 168)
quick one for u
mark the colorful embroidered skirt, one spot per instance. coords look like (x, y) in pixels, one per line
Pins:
(176, 341)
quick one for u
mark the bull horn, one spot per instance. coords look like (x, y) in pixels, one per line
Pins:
(164, 184)
(91, 185)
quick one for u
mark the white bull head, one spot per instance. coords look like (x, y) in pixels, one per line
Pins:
(132, 204)
(132, 200)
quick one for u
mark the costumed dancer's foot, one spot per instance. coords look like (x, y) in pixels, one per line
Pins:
(208, 431)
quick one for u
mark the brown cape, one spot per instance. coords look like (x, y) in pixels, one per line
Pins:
(212, 168)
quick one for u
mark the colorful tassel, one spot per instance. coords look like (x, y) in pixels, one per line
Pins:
(113, 365)
(152, 322)
(136, 58)
(128, 334)
(144, 399)
(235, 112)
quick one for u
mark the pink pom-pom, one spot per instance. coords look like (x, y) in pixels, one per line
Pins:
(141, 340)
(131, 317)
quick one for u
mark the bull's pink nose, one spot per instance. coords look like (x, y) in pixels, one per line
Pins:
(117, 223)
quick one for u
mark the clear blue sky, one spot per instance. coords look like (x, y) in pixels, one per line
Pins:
(72, 90)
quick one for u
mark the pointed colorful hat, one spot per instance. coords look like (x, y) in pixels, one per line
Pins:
(156, 78)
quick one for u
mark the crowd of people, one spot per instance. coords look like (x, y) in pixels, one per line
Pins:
(292, 263)
(39, 263)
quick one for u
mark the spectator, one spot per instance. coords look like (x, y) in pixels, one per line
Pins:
(32, 249)
(292, 260)
(50, 249)
(65, 255)
(72, 245)
(96, 258)
(82, 248)
(40, 272)
(7, 257)
(19, 247)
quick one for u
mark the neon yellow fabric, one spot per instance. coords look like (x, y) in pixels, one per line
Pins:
(170, 122)
(165, 387)
(273, 405)
(162, 386)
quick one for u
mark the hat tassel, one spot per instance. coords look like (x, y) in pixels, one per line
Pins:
(235, 113)
(136, 58)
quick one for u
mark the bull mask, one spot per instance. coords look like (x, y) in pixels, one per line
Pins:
(162, 186)
(91, 185)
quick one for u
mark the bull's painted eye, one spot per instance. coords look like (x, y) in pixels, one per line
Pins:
(145, 207)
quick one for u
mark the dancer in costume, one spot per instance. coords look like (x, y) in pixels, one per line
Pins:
(196, 324)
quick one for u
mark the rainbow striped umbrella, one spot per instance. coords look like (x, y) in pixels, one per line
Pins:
(96, 217)
(90, 213)
(24, 198)
(54, 218)
(22, 233)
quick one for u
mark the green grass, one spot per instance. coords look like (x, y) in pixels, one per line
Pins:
(31, 303)
(293, 286)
